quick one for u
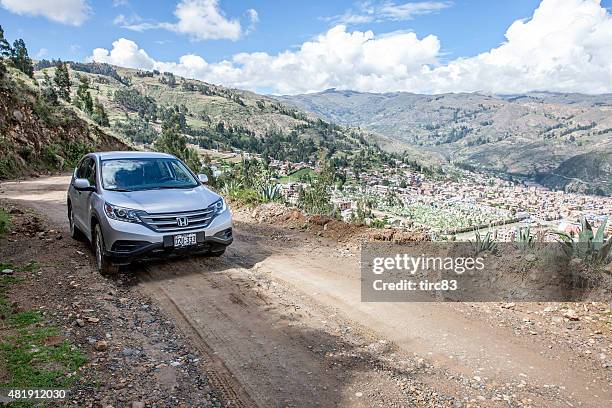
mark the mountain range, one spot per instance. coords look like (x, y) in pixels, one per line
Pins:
(561, 140)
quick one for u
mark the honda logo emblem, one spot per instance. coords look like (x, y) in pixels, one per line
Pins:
(182, 221)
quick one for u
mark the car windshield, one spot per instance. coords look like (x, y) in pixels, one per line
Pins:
(146, 174)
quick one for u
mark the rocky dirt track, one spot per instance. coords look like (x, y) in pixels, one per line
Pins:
(277, 321)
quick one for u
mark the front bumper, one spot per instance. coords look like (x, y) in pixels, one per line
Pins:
(127, 242)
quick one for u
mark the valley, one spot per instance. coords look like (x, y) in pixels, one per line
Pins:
(526, 136)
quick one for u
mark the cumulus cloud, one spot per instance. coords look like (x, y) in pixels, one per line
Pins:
(199, 19)
(368, 11)
(204, 20)
(124, 53)
(71, 12)
(565, 46)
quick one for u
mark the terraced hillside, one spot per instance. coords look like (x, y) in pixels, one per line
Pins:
(43, 134)
(528, 135)
(211, 116)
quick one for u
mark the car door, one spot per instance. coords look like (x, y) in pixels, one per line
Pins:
(89, 196)
(82, 207)
(76, 196)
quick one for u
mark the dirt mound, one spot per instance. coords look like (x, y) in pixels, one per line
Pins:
(396, 236)
(326, 226)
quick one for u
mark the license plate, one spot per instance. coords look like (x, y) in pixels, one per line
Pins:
(185, 240)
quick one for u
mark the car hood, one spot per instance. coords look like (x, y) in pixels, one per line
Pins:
(163, 201)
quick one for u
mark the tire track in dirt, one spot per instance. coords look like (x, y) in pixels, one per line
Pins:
(216, 371)
(272, 364)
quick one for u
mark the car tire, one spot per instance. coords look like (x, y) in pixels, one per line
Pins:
(102, 262)
(75, 232)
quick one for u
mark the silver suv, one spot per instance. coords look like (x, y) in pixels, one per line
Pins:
(141, 205)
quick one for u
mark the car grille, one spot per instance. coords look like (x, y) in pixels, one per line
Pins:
(170, 222)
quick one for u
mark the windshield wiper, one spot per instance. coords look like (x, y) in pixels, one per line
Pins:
(170, 187)
(121, 190)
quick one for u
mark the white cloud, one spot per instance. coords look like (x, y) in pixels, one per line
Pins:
(408, 11)
(253, 16)
(368, 11)
(71, 12)
(204, 20)
(199, 19)
(134, 22)
(566, 46)
(124, 53)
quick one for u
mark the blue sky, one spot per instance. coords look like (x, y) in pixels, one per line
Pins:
(465, 28)
(444, 31)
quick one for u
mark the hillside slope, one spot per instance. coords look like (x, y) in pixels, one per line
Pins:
(517, 134)
(39, 136)
(585, 173)
(215, 117)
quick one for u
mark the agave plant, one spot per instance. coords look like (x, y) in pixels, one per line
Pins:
(269, 192)
(590, 245)
(486, 243)
(524, 239)
(231, 187)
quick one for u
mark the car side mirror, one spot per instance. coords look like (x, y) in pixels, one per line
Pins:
(82, 184)
(203, 178)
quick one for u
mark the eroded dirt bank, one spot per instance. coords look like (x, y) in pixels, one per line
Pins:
(278, 321)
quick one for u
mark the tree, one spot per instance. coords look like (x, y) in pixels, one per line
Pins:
(316, 198)
(173, 142)
(85, 101)
(99, 114)
(48, 90)
(5, 47)
(20, 58)
(62, 81)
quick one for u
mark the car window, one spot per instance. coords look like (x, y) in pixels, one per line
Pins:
(146, 174)
(87, 170)
(91, 172)
(82, 168)
(179, 171)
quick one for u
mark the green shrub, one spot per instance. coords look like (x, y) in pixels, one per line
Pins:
(49, 155)
(246, 196)
(482, 244)
(378, 223)
(5, 221)
(73, 151)
(8, 167)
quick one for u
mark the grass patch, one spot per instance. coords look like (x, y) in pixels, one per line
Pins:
(32, 364)
(25, 318)
(5, 221)
(31, 353)
(298, 175)
(31, 266)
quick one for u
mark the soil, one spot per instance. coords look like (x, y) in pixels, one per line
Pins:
(278, 321)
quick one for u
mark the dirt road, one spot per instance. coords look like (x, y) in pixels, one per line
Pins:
(280, 315)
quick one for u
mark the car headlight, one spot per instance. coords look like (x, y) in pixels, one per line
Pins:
(121, 214)
(219, 206)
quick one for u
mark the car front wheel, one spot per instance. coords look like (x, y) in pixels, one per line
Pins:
(103, 264)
